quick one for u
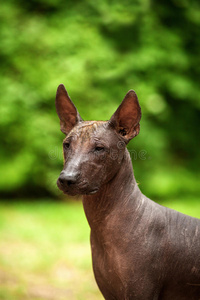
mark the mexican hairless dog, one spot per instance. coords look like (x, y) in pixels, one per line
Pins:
(140, 250)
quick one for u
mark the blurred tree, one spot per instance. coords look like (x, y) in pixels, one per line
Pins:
(99, 50)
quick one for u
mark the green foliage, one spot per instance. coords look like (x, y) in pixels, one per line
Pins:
(99, 50)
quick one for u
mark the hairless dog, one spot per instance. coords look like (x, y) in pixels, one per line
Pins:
(140, 249)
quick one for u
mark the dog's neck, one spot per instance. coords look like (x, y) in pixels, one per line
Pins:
(120, 194)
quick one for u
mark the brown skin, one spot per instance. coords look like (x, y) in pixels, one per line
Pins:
(140, 250)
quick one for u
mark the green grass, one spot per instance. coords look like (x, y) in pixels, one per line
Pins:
(45, 252)
(187, 205)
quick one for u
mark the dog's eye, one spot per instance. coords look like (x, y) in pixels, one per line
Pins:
(66, 145)
(98, 149)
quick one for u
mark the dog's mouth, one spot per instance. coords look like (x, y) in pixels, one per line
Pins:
(77, 189)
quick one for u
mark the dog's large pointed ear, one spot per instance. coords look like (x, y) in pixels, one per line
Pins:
(66, 110)
(127, 117)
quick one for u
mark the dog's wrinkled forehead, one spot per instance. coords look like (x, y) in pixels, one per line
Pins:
(85, 130)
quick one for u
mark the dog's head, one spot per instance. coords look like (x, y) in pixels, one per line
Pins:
(93, 150)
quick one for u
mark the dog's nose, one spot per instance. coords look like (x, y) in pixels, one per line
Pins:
(68, 179)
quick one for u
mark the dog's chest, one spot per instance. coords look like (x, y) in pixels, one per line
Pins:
(111, 269)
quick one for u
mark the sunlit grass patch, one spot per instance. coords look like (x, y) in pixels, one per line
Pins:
(187, 205)
(45, 252)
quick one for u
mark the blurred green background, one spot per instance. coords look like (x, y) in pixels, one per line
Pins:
(99, 50)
